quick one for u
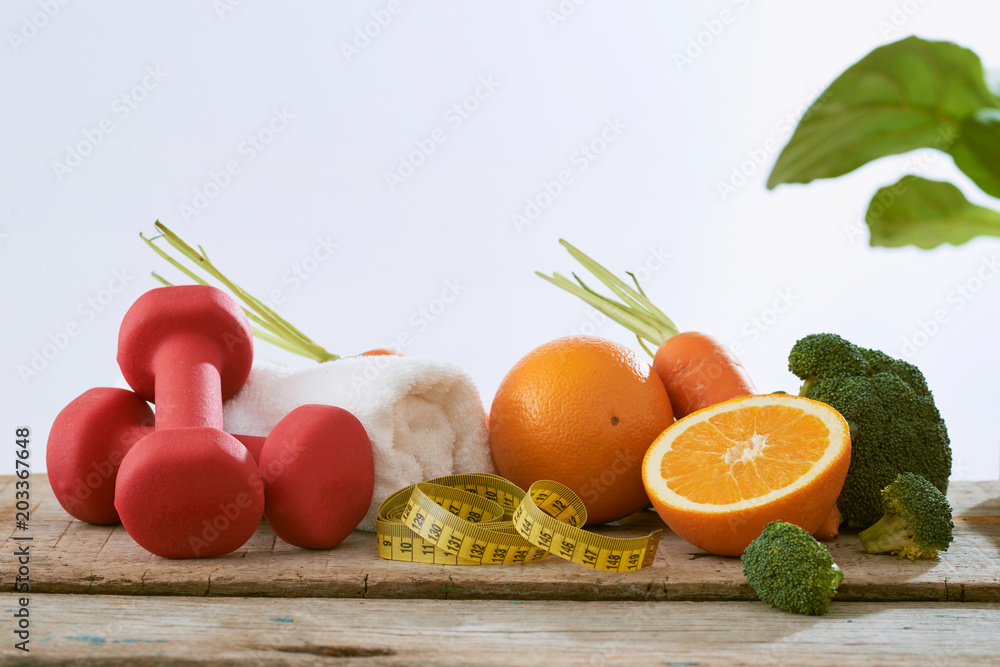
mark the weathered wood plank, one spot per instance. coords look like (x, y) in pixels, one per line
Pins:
(71, 557)
(131, 630)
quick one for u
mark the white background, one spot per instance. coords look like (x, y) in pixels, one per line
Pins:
(653, 191)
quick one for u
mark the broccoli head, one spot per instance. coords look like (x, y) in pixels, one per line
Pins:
(895, 426)
(917, 521)
(789, 569)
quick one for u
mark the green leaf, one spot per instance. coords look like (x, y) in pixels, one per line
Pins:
(926, 214)
(977, 151)
(902, 96)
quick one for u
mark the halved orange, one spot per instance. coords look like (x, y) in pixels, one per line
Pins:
(717, 476)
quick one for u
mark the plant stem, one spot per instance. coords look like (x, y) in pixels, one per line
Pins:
(838, 578)
(272, 327)
(634, 311)
(262, 334)
(888, 534)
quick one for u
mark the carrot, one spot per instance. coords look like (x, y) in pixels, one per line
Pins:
(697, 370)
(381, 352)
(831, 526)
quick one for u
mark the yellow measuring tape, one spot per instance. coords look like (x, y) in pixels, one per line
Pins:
(483, 519)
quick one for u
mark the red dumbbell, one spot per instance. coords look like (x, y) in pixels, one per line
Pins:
(188, 489)
(87, 443)
(316, 464)
(319, 476)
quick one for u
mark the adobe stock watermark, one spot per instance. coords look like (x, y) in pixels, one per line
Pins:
(105, 471)
(299, 272)
(420, 320)
(779, 651)
(247, 151)
(211, 529)
(917, 164)
(34, 23)
(623, 463)
(366, 33)
(656, 259)
(562, 12)
(898, 17)
(755, 327)
(87, 311)
(639, 614)
(121, 108)
(455, 116)
(121, 626)
(711, 30)
(952, 651)
(581, 159)
(224, 8)
(117, 625)
(957, 298)
(758, 158)
(961, 470)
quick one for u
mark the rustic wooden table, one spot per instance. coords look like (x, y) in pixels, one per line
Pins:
(98, 598)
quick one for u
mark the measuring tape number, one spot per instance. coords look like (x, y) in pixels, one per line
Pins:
(483, 519)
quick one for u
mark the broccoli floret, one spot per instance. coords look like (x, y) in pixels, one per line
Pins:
(917, 521)
(789, 569)
(895, 426)
(826, 355)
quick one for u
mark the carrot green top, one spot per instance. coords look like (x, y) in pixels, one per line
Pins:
(634, 311)
(270, 326)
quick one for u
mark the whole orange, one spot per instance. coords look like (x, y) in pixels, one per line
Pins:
(580, 410)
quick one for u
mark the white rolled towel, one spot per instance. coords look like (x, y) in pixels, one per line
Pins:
(424, 417)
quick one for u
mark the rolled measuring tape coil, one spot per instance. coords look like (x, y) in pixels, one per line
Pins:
(483, 519)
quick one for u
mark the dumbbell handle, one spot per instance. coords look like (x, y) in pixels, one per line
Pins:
(188, 388)
(253, 443)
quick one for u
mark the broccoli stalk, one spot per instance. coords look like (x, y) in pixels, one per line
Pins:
(895, 426)
(789, 569)
(889, 534)
(917, 521)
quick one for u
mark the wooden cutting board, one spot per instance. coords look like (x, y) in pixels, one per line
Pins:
(68, 556)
